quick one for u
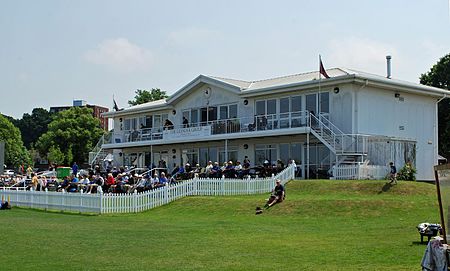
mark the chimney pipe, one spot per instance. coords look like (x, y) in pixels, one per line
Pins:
(388, 62)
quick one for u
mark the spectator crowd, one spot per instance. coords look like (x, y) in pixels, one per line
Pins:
(124, 180)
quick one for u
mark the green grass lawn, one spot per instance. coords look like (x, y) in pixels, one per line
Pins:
(323, 225)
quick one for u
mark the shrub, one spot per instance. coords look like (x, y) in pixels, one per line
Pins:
(407, 173)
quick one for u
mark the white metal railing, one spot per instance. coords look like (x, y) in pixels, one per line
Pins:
(335, 139)
(97, 150)
(359, 172)
(223, 126)
(137, 202)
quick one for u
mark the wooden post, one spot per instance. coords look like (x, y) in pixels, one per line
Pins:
(441, 210)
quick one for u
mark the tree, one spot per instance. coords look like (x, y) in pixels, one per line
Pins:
(73, 133)
(439, 76)
(145, 96)
(34, 125)
(55, 155)
(15, 152)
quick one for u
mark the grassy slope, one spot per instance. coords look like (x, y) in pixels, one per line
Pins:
(323, 225)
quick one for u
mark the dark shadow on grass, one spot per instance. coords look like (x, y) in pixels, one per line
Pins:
(56, 211)
(386, 187)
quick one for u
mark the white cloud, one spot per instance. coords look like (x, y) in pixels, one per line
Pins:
(120, 55)
(361, 54)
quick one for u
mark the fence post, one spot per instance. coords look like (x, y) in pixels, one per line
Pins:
(166, 194)
(46, 198)
(63, 202)
(81, 201)
(135, 201)
(101, 200)
(195, 183)
(223, 185)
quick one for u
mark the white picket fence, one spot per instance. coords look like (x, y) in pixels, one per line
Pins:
(360, 172)
(138, 202)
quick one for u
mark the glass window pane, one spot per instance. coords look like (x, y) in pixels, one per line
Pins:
(260, 156)
(127, 124)
(296, 103)
(157, 121)
(284, 105)
(223, 114)
(260, 107)
(141, 123)
(284, 153)
(194, 116)
(233, 156)
(187, 114)
(311, 103)
(313, 155)
(203, 156)
(325, 102)
(233, 111)
(271, 107)
(212, 155)
(212, 113)
(324, 156)
(134, 123)
(296, 153)
(149, 121)
(272, 156)
(221, 157)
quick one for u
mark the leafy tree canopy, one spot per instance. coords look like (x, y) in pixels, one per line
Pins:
(145, 96)
(72, 133)
(34, 125)
(15, 152)
(439, 76)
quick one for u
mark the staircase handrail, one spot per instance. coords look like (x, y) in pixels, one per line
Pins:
(98, 148)
(99, 144)
(321, 126)
(339, 138)
(322, 119)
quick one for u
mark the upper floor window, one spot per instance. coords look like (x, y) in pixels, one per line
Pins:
(228, 111)
(318, 103)
(266, 107)
(145, 122)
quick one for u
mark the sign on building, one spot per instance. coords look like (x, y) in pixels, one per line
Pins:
(187, 133)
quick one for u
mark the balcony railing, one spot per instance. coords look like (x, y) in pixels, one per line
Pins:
(224, 126)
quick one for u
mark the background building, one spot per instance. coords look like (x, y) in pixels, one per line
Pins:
(97, 111)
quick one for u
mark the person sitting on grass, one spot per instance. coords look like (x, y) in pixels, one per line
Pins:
(278, 195)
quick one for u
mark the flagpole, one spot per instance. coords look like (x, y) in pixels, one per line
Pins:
(320, 79)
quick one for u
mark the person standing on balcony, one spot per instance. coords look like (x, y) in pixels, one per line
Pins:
(185, 122)
(168, 125)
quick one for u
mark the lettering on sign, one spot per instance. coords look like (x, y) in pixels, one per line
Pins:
(191, 132)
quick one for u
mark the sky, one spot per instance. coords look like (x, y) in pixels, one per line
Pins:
(52, 52)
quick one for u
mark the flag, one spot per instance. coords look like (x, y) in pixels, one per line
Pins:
(322, 69)
(116, 108)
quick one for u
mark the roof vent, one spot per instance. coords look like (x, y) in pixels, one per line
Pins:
(388, 62)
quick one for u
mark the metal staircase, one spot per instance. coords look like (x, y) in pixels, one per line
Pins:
(348, 148)
(98, 153)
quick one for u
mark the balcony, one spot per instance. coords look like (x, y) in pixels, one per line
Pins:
(260, 124)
